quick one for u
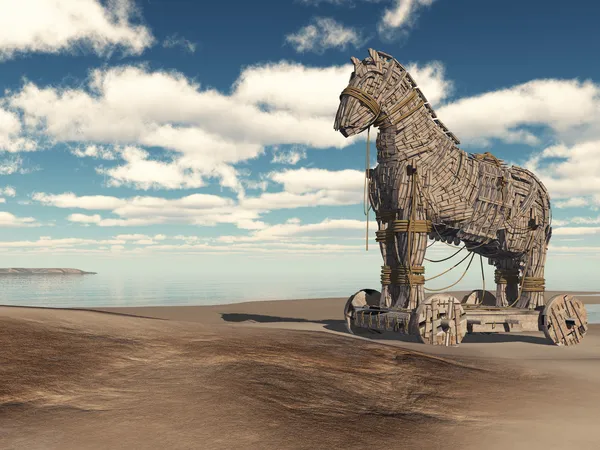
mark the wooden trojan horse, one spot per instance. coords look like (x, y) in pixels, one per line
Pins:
(425, 185)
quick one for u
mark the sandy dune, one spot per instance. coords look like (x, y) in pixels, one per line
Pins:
(279, 375)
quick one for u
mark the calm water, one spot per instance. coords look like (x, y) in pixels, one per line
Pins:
(91, 291)
(120, 290)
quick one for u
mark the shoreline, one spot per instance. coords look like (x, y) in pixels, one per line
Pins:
(586, 297)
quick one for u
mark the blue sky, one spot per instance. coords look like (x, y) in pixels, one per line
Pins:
(198, 136)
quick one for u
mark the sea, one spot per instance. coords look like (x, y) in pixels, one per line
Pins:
(113, 290)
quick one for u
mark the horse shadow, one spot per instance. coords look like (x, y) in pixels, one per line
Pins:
(340, 327)
(329, 324)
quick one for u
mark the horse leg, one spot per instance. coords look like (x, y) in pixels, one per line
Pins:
(507, 280)
(409, 248)
(386, 246)
(532, 293)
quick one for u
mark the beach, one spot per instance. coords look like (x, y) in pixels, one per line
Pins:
(282, 374)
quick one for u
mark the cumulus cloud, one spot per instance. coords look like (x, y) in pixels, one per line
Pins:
(322, 34)
(291, 156)
(13, 165)
(95, 151)
(85, 219)
(54, 26)
(293, 227)
(124, 109)
(141, 172)
(401, 17)
(11, 139)
(310, 187)
(70, 200)
(178, 41)
(132, 105)
(301, 188)
(195, 209)
(573, 202)
(575, 231)
(570, 173)
(8, 220)
(55, 247)
(562, 106)
(315, 94)
(431, 79)
(8, 191)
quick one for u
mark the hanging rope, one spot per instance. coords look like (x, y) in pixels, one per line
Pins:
(529, 246)
(482, 278)
(447, 270)
(410, 235)
(366, 203)
(447, 258)
(458, 281)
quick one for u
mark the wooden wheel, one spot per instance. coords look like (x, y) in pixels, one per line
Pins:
(364, 297)
(564, 320)
(439, 320)
(479, 297)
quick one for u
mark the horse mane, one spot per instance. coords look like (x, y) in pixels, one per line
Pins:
(388, 60)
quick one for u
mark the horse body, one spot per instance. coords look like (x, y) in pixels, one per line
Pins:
(425, 185)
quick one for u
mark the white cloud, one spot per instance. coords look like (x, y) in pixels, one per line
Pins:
(564, 106)
(177, 41)
(324, 33)
(195, 209)
(53, 26)
(571, 231)
(574, 250)
(126, 108)
(49, 242)
(431, 79)
(132, 237)
(570, 172)
(147, 246)
(315, 94)
(70, 200)
(293, 227)
(304, 180)
(10, 134)
(8, 220)
(292, 156)
(2, 200)
(401, 16)
(95, 151)
(573, 202)
(310, 187)
(83, 218)
(301, 188)
(133, 106)
(9, 191)
(13, 165)
(143, 173)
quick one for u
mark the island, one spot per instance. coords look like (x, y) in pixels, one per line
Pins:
(43, 271)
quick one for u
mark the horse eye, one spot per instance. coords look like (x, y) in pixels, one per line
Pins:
(352, 75)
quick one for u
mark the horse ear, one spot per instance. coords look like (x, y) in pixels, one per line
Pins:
(355, 61)
(374, 55)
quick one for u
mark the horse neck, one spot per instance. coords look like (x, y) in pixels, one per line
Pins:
(417, 136)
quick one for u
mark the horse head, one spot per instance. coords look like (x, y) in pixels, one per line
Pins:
(364, 102)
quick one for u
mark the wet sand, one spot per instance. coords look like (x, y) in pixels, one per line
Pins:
(279, 375)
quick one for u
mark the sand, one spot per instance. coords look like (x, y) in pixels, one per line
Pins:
(282, 375)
